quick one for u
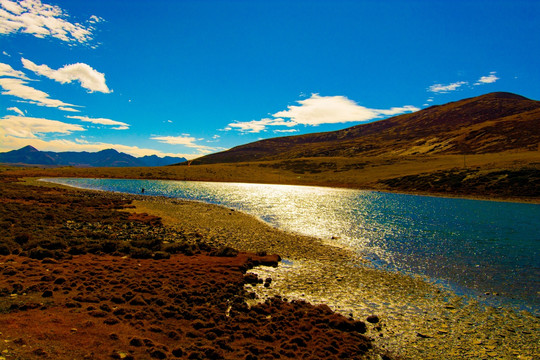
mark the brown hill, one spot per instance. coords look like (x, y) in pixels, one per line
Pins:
(490, 123)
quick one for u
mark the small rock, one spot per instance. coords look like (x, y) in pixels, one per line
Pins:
(373, 319)
(47, 293)
(251, 278)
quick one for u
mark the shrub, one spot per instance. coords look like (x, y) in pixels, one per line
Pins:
(4, 249)
(22, 239)
(141, 253)
(109, 246)
(159, 255)
(53, 244)
(225, 251)
(148, 243)
(40, 253)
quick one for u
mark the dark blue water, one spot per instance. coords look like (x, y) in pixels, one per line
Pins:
(473, 246)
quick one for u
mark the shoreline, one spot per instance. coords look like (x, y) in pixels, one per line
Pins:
(487, 297)
(339, 186)
(417, 319)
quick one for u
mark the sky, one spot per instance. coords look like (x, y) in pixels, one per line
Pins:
(189, 78)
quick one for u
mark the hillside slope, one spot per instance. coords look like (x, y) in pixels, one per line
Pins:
(490, 123)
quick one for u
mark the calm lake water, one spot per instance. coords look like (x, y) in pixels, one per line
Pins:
(472, 246)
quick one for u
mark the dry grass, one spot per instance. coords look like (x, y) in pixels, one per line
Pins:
(352, 172)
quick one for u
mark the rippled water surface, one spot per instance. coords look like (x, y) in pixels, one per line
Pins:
(473, 246)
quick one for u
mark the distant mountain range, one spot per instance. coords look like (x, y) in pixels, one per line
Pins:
(490, 123)
(29, 155)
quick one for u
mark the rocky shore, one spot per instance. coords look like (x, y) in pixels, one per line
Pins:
(408, 316)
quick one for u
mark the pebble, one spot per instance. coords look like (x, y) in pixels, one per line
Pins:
(421, 320)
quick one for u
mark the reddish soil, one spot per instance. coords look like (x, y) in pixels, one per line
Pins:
(193, 307)
(80, 279)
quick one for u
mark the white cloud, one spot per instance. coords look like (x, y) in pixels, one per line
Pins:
(30, 127)
(101, 121)
(6, 70)
(95, 19)
(17, 110)
(42, 20)
(398, 110)
(89, 78)
(67, 109)
(256, 126)
(187, 141)
(491, 78)
(439, 88)
(318, 110)
(18, 88)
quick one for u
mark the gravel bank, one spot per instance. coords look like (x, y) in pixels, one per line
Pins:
(405, 315)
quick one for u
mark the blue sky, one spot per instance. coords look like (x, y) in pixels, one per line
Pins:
(188, 78)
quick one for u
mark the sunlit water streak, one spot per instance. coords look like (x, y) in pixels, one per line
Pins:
(473, 246)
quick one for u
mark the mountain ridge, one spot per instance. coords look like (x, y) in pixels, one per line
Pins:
(492, 122)
(29, 155)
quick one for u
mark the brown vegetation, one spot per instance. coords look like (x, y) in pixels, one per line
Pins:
(82, 279)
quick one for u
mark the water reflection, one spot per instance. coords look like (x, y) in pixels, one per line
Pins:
(487, 246)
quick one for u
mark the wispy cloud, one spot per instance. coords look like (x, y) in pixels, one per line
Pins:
(30, 127)
(7, 70)
(101, 121)
(256, 126)
(317, 110)
(489, 79)
(439, 88)
(89, 78)
(42, 20)
(17, 110)
(20, 89)
(187, 141)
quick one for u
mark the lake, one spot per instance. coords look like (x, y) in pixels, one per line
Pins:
(474, 247)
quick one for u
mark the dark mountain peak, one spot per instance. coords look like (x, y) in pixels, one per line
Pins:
(28, 149)
(108, 152)
(503, 95)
